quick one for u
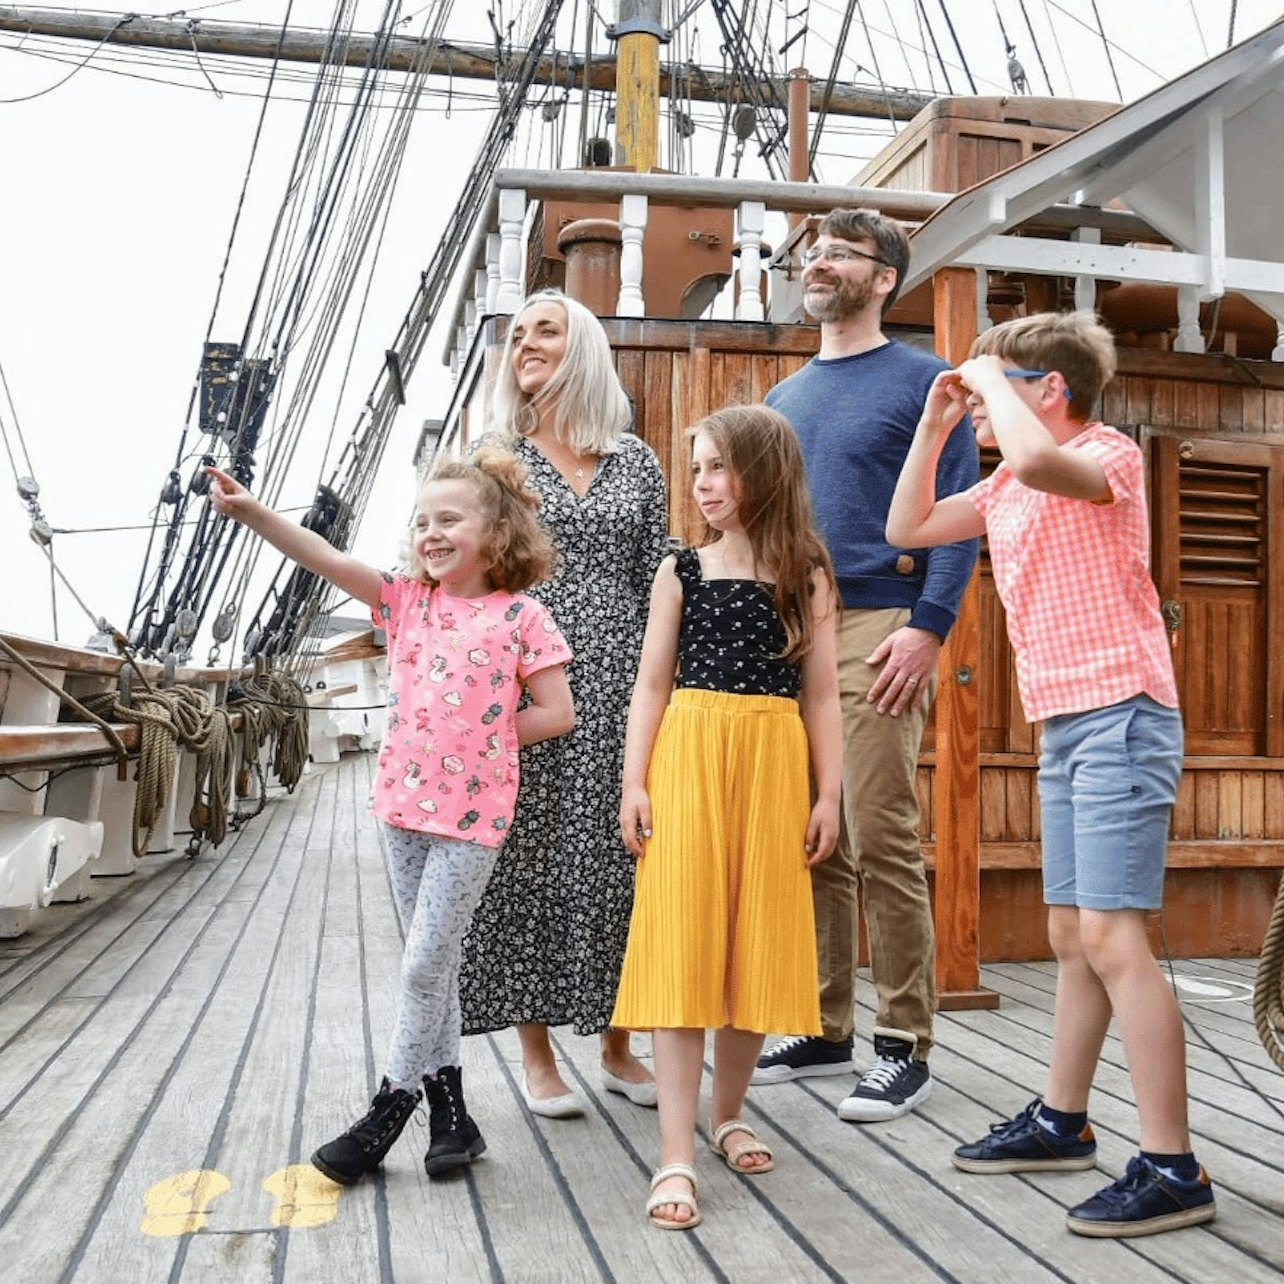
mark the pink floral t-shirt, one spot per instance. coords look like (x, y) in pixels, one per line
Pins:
(455, 671)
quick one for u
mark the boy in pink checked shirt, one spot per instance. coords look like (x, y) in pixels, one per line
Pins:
(1065, 516)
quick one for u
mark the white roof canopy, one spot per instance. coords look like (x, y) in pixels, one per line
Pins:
(1201, 160)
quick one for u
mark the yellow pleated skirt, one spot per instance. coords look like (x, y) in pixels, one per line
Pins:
(722, 931)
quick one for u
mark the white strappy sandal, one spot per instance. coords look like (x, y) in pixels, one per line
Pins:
(671, 1197)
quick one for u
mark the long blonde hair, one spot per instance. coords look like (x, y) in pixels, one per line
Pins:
(590, 409)
(759, 448)
(520, 551)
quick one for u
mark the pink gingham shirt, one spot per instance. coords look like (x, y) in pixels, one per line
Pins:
(1074, 579)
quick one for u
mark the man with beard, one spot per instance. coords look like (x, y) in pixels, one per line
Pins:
(854, 407)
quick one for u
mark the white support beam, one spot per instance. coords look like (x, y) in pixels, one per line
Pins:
(1210, 199)
(1118, 263)
(1105, 151)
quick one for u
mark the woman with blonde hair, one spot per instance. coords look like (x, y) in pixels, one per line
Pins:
(548, 938)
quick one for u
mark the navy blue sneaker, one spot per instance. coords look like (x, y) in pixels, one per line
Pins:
(1021, 1145)
(891, 1087)
(1144, 1201)
(803, 1056)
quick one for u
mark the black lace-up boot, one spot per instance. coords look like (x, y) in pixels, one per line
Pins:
(361, 1149)
(455, 1139)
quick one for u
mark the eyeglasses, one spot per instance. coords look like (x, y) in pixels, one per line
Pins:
(838, 254)
(1033, 374)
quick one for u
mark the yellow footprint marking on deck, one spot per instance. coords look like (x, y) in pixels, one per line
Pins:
(304, 1196)
(177, 1205)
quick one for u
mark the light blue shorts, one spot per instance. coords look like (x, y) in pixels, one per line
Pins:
(1107, 780)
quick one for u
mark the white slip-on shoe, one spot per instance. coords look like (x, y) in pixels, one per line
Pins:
(640, 1094)
(566, 1106)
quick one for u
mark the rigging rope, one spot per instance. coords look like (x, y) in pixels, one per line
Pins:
(755, 81)
(1268, 989)
(967, 71)
(1105, 44)
(122, 21)
(1037, 51)
(1056, 44)
(878, 74)
(284, 313)
(839, 45)
(300, 604)
(926, 21)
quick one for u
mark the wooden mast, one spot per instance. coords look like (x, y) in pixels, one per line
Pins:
(405, 53)
(639, 34)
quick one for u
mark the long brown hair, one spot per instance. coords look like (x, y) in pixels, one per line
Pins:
(760, 450)
(521, 553)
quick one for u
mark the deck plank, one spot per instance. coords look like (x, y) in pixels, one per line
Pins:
(86, 1114)
(226, 1014)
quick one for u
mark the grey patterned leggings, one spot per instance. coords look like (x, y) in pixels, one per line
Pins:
(437, 883)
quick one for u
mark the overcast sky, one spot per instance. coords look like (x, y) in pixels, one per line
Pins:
(120, 187)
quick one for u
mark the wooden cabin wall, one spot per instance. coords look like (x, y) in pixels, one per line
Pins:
(678, 372)
(1212, 429)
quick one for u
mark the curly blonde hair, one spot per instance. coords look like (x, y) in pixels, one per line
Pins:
(520, 552)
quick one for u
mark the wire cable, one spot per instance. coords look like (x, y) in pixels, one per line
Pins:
(122, 21)
(1105, 44)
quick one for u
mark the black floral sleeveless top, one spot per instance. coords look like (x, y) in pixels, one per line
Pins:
(731, 637)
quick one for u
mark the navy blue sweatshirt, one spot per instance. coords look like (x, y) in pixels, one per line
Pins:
(855, 418)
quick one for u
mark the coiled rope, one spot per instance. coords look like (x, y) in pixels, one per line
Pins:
(274, 705)
(188, 716)
(1268, 989)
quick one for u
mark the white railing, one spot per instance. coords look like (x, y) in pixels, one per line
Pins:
(766, 287)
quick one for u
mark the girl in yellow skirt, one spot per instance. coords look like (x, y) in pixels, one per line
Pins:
(737, 690)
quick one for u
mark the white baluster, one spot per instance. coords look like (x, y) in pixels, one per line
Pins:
(1085, 287)
(1277, 352)
(492, 273)
(983, 319)
(751, 220)
(632, 225)
(470, 325)
(512, 218)
(480, 284)
(460, 354)
(1188, 337)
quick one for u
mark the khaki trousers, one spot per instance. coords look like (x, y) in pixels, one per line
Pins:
(878, 860)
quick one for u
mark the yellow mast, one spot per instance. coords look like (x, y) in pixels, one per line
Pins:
(638, 33)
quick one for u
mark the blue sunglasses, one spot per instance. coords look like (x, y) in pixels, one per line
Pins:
(1032, 374)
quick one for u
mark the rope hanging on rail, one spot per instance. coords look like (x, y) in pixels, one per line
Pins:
(1268, 990)
(188, 716)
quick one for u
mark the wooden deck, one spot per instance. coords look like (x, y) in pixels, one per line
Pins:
(170, 1056)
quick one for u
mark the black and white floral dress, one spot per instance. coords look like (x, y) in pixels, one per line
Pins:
(548, 938)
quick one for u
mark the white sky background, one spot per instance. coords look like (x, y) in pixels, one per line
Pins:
(119, 193)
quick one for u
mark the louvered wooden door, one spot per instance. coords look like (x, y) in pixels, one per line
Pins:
(1218, 561)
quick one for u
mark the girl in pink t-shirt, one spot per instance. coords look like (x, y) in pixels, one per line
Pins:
(464, 642)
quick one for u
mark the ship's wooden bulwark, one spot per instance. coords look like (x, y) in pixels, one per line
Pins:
(1213, 431)
(1212, 428)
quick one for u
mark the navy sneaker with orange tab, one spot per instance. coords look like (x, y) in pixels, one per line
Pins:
(1144, 1201)
(1023, 1145)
